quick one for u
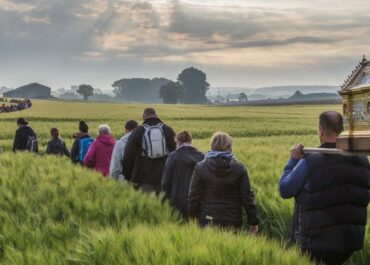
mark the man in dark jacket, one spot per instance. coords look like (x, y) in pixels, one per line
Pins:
(83, 133)
(24, 136)
(146, 152)
(178, 172)
(331, 197)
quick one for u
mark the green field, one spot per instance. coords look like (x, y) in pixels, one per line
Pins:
(52, 212)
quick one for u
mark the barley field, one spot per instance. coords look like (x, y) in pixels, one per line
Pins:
(52, 212)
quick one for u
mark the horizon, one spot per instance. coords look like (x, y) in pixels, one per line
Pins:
(244, 44)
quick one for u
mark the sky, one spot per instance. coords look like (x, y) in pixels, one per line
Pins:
(245, 43)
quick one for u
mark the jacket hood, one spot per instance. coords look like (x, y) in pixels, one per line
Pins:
(220, 165)
(189, 156)
(106, 139)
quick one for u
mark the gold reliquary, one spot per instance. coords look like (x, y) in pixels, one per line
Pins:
(355, 94)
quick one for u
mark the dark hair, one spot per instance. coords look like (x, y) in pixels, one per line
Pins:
(54, 133)
(83, 127)
(331, 122)
(22, 121)
(149, 113)
(131, 125)
(184, 137)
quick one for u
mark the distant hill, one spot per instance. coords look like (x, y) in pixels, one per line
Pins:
(298, 95)
(289, 90)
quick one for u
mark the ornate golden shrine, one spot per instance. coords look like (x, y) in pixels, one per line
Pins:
(355, 94)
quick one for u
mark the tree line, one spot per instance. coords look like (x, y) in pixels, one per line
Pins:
(190, 87)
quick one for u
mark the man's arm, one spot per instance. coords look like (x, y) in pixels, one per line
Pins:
(167, 177)
(16, 142)
(293, 178)
(294, 175)
(170, 139)
(131, 149)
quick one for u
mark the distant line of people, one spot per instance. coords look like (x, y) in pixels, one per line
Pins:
(16, 105)
(331, 191)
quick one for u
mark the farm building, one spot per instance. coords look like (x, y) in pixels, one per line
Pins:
(33, 90)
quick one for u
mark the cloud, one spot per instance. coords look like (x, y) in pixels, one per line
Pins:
(36, 20)
(13, 6)
(218, 33)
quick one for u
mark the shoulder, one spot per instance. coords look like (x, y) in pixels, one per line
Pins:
(167, 128)
(239, 166)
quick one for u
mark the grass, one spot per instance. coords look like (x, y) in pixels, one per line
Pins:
(68, 215)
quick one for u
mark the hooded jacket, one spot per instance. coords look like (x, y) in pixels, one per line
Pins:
(177, 176)
(140, 169)
(99, 154)
(115, 170)
(21, 137)
(219, 190)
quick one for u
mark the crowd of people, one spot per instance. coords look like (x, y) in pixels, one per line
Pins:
(331, 191)
(16, 105)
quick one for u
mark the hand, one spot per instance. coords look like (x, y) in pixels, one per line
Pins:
(253, 229)
(296, 151)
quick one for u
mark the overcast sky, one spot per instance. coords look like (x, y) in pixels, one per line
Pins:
(236, 43)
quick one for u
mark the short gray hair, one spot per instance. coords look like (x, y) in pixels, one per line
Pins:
(104, 129)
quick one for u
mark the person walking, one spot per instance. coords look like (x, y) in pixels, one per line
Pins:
(115, 169)
(220, 188)
(146, 152)
(331, 197)
(56, 146)
(100, 152)
(81, 143)
(178, 172)
(25, 137)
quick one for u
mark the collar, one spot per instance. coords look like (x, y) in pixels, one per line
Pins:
(328, 145)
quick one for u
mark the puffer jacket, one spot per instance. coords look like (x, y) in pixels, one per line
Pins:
(219, 190)
(99, 154)
(177, 176)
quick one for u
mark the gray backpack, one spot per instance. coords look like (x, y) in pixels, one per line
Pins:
(154, 141)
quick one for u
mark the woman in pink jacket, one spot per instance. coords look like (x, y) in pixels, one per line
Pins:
(100, 152)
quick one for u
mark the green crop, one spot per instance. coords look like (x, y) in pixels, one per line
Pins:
(53, 212)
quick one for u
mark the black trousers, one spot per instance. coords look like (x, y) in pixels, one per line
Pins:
(327, 257)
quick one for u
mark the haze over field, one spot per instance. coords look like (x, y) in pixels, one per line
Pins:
(237, 43)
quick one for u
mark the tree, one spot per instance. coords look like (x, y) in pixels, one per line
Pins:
(171, 92)
(139, 89)
(194, 82)
(86, 91)
(243, 97)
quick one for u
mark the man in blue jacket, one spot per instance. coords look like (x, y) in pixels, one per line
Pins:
(331, 196)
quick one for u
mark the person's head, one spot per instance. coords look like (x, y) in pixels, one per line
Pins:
(104, 129)
(54, 133)
(83, 127)
(22, 122)
(330, 126)
(131, 125)
(149, 113)
(183, 137)
(221, 141)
